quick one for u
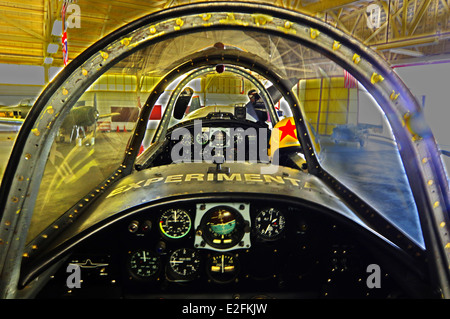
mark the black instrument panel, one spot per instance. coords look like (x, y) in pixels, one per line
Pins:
(208, 240)
(256, 248)
(215, 140)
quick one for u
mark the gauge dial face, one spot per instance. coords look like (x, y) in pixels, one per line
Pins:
(222, 221)
(224, 227)
(187, 139)
(144, 264)
(223, 268)
(202, 138)
(270, 223)
(219, 138)
(175, 223)
(184, 263)
(238, 136)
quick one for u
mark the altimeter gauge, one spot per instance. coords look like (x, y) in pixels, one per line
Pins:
(175, 223)
(270, 224)
(184, 264)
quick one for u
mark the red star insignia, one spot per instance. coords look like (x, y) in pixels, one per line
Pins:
(288, 129)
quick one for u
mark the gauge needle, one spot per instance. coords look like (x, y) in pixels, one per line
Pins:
(223, 268)
(145, 259)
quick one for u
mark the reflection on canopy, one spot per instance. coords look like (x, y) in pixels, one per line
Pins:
(356, 143)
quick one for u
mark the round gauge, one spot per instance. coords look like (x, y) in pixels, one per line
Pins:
(202, 138)
(175, 223)
(223, 268)
(238, 137)
(219, 138)
(187, 139)
(270, 223)
(223, 227)
(184, 263)
(144, 264)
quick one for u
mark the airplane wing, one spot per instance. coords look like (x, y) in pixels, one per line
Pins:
(17, 121)
(107, 115)
(11, 121)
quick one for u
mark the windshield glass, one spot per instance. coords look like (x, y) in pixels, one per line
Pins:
(358, 147)
(352, 139)
(88, 147)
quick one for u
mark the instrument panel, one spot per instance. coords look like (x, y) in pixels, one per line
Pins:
(204, 239)
(209, 143)
(223, 248)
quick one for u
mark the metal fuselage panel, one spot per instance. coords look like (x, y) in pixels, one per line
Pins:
(190, 180)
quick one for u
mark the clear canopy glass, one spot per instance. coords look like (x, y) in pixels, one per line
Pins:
(352, 138)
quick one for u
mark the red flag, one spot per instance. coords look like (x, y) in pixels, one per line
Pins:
(64, 35)
(63, 15)
(64, 47)
(349, 81)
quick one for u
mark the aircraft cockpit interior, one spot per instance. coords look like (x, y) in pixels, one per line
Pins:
(246, 152)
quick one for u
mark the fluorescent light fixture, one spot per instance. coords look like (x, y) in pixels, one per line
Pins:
(52, 48)
(408, 52)
(57, 28)
(48, 60)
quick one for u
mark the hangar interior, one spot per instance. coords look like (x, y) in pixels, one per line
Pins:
(340, 114)
(411, 35)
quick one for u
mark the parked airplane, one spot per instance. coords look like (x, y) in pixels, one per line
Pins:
(18, 111)
(73, 126)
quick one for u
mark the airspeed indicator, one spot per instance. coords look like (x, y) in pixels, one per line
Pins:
(175, 223)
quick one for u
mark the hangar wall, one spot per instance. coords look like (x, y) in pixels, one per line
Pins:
(430, 83)
(329, 102)
(427, 81)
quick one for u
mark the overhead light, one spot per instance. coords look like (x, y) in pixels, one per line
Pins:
(48, 60)
(52, 48)
(407, 52)
(57, 28)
